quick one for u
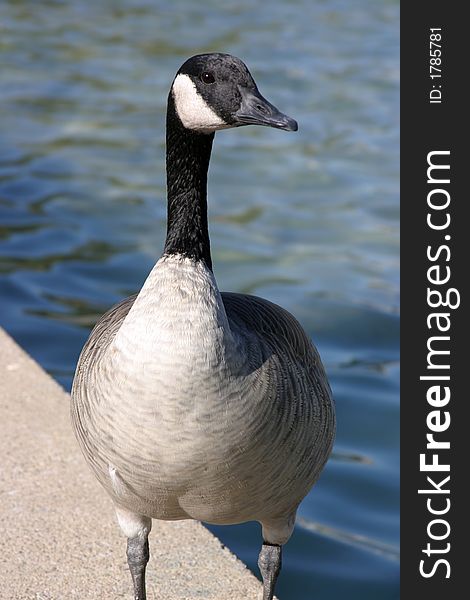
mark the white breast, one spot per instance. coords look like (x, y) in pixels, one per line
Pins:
(173, 366)
(177, 320)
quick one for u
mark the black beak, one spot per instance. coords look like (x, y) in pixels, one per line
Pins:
(256, 110)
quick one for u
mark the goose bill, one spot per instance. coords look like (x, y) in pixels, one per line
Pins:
(256, 110)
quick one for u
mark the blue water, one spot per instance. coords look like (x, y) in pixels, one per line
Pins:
(307, 220)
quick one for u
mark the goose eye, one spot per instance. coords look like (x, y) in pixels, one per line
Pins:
(207, 77)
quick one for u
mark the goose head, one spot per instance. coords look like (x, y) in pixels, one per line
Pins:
(216, 91)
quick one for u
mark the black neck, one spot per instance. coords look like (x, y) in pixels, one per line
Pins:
(187, 161)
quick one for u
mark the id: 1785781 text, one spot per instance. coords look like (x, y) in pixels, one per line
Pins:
(435, 62)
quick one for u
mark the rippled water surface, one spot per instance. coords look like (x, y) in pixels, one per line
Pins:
(308, 220)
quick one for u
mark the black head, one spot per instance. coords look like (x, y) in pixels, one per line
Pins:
(216, 91)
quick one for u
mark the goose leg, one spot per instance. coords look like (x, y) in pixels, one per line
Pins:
(137, 559)
(269, 563)
(136, 528)
(278, 532)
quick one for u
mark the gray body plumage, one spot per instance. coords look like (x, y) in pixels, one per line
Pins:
(189, 403)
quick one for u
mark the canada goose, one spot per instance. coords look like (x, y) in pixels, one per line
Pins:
(189, 403)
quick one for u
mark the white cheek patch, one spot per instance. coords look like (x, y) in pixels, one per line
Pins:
(192, 109)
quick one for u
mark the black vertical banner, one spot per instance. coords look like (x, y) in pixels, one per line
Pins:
(435, 354)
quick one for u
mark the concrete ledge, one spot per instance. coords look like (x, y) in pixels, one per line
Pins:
(58, 534)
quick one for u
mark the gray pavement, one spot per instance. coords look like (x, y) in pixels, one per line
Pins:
(58, 534)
